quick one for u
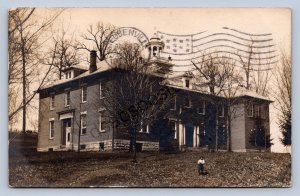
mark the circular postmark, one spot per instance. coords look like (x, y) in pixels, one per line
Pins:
(128, 34)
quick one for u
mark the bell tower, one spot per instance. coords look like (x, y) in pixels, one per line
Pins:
(154, 46)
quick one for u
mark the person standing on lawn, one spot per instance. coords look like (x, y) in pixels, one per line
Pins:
(201, 163)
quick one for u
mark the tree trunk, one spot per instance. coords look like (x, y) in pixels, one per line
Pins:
(229, 130)
(134, 146)
(217, 130)
(24, 86)
(79, 131)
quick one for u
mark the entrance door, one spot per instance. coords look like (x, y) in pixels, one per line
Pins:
(66, 131)
(189, 134)
(68, 136)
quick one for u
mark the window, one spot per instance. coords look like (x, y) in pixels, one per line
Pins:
(83, 124)
(221, 110)
(101, 89)
(263, 112)
(101, 122)
(69, 137)
(82, 146)
(68, 75)
(154, 51)
(101, 146)
(256, 111)
(173, 128)
(187, 102)
(201, 107)
(51, 129)
(144, 127)
(83, 94)
(173, 106)
(187, 83)
(52, 102)
(250, 110)
(67, 99)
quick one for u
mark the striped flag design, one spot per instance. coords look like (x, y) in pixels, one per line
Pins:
(227, 42)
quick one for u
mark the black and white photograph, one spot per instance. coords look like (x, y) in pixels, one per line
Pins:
(149, 97)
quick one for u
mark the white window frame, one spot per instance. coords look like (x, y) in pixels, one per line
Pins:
(175, 128)
(81, 123)
(257, 110)
(190, 102)
(263, 112)
(204, 105)
(252, 110)
(67, 93)
(82, 94)
(147, 128)
(223, 110)
(187, 81)
(174, 106)
(52, 102)
(100, 123)
(51, 129)
(101, 91)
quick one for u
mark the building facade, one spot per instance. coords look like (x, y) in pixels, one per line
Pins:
(71, 115)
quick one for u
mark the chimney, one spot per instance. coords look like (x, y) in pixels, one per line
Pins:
(93, 59)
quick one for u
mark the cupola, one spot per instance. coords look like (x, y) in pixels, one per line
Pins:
(154, 46)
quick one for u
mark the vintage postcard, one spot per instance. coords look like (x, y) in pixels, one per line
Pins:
(149, 97)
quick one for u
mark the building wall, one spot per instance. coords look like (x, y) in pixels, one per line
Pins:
(251, 123)
(91, 108)
(43, 135)
(204, 125)
(238, 142)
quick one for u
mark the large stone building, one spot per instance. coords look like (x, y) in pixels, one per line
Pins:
(69, 114)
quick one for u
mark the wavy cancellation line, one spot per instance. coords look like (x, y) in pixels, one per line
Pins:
(239, 66)
(249, 34)
(233, 39)
(238, 43)
(221, 46)
(188, 35)
(235, 36)
(233, 59)
(227, 52)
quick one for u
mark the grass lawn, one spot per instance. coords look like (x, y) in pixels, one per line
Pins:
(68, 169)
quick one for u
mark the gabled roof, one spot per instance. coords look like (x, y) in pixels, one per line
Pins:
(248, 93)
(101, 67)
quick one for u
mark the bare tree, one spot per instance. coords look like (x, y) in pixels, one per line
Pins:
(134, 99)
(256, 67)
(261, 78)
(247, 63)
(25, 45)
(212, 72)
(283, 97)
(100, 36)
(231, 88)
(66, 52)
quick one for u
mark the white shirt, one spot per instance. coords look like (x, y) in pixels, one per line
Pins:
(201, 161)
